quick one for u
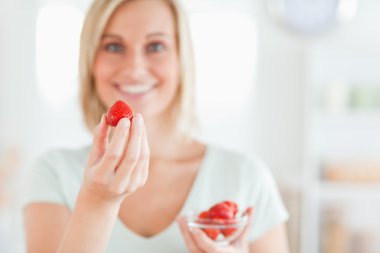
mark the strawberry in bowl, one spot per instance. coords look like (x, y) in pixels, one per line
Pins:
(222, 222)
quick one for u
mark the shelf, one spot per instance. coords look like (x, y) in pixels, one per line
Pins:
(371, 115)
(335, 191)
(353, 133)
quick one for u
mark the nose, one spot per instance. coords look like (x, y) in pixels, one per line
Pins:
(134, 65)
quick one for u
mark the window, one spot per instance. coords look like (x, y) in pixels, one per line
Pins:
(226, 52)
(57, 51)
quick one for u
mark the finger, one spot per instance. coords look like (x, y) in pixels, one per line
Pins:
(189, 241)
(203, 241)
(145, 171)
(100, 141)
(115, 148)
(139, 175)
(132, 152)
(244, 234)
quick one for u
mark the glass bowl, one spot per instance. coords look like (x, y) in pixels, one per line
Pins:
(222, 231)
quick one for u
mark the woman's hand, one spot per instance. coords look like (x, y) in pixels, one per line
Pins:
(118, 167)
(198, 242)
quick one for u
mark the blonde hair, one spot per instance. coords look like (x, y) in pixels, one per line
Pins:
(95, 22)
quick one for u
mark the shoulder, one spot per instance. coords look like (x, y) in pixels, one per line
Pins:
(55, 177)
(61, 160)
(65, 155)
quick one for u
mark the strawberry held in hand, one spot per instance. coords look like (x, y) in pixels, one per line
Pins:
(118, 111)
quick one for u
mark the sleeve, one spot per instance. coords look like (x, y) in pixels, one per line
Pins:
(269, 210)
(42, 184)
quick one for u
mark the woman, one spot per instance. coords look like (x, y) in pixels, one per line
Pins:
(126, 192)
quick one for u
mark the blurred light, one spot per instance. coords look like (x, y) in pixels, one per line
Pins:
(312, 16)
(225, 47)
(57, 51)
(347, 10)
(226, 53)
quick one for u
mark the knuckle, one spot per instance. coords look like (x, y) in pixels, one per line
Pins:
(97, 131)
(145, 178)
(132, 158)
(112, 156)
(116, 190)
(133, 186)
(145, 155)
(100, 180)
(137, 127)
(145, 174)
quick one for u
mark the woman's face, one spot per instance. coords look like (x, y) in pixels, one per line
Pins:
(137, 60)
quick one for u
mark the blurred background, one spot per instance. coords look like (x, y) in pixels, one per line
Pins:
(298, 81)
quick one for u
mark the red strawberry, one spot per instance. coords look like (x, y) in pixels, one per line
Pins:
(228, 231)
(211, 233)
(203, 215)
(232, 206)
(222, 211)
(118, 111)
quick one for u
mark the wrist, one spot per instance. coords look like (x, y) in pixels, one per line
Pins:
(88, 200)
(93, 217)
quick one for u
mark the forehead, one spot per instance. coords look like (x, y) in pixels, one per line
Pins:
(142, 16)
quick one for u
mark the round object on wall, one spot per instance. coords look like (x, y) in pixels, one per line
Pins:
(312, 17)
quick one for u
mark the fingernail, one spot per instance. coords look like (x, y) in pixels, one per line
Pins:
(124, 122)
(101, 120)
(137, 119)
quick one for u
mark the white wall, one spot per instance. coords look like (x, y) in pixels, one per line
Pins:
(280, 76)
(17, 76)
(16, 101)
(28, 124)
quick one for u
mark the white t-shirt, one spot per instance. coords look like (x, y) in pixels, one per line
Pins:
(224, 175)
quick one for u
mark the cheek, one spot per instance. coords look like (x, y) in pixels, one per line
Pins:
(105, 65)
(102, 73)
(100, 70)
(170, 74)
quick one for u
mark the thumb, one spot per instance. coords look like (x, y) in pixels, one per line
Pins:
(100, 141)
(242, 239)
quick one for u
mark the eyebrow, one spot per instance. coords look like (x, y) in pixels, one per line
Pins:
(111, 36)
(156, 34)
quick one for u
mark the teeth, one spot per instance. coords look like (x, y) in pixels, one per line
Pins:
(136, 89)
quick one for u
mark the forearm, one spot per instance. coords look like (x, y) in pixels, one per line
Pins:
(90, 226)
(274, 241)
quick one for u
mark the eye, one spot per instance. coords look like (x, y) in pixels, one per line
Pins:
(156, 47)
(114, 48)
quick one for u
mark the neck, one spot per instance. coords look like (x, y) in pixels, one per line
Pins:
(164, 142)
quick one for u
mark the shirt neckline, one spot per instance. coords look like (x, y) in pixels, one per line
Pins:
(195, 186)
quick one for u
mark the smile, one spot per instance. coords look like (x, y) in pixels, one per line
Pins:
(135, 89)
